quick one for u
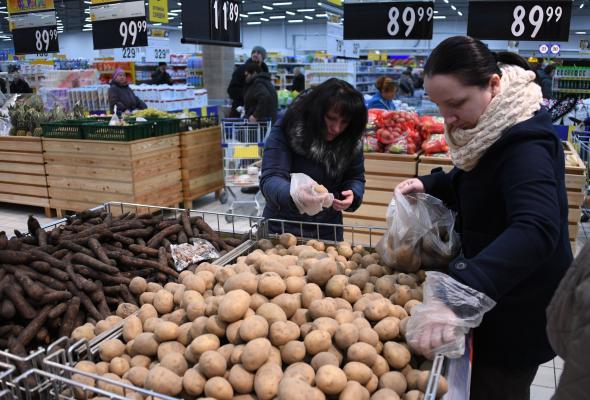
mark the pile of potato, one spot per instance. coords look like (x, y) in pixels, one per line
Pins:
(286, 321)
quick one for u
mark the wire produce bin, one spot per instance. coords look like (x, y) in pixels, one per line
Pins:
(581, 141)
(10, 367)
(243, 144)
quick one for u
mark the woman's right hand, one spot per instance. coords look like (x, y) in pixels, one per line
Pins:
(410, 186)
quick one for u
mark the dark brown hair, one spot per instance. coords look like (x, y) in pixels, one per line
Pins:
(386, 84)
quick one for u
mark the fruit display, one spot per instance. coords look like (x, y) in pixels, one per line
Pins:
(286, 321)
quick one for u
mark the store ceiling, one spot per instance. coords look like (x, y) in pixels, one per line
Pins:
(73, 18)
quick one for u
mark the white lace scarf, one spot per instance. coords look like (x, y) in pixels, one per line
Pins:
(519, 98)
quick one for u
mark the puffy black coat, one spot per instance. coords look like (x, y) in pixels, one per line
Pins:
(123, 97)
(237, 85)
(260, 99)
(161, 78)
(513, 221)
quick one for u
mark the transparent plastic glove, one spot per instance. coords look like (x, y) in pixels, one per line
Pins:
(449, 310)
(309, 197)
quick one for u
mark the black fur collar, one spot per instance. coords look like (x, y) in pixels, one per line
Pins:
(335, 156)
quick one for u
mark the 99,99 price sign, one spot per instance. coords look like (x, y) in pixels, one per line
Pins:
(520, 20)
(119, 25)
(399, 20)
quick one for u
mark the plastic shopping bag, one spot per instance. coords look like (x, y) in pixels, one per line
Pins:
(419, 233)
(186, 254)
(309, 197)
(449, 310)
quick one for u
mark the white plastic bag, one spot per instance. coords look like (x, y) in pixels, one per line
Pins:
(449, 310)
(309, 197)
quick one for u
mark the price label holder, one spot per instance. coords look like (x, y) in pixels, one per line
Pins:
(211, 22)
(520, 20)
(129, 54)
(119, 25)
(158, 50)
(35, 33)
(390, 20)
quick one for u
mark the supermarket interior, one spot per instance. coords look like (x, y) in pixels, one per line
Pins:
(303, 199)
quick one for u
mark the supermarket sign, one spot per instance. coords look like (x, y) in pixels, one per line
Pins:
(214, 22)
(119, 25)
(34, 26)
(20, 6)
(158, 11)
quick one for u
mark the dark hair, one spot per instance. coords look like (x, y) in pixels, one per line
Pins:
(253, 68)
(386, 84)
(549, 69)
(162, 64)
(311, 107)
(469, 60)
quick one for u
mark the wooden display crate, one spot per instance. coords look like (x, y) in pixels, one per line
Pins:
(22, 172)
(201, 163)
(575, 183)
(427, 163)
(86, 173)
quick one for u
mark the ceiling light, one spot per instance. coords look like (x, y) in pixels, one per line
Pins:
(582, 5)
(439, 17)
(158, 24)
(289, 13)
(322, 15)
(453, 7)
(267, 8)
(284, 3)
(175, 11)
(294, 21)
(265, 19)
(277, 17)
(447, 1)
(580, 33)
(3, 8)
(254, 23)
(243, 16)
(460, 13)
(87, 2)
(255, 12)
(306, 10)
(436, 12)
(308, 17)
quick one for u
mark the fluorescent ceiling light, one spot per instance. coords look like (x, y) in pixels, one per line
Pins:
(294, 21)
(3, 8)
(283, 3)
(580, 33)
(322, 15)
(308, 17)
(306, 10)
(265, 19)
(436, 12)
(582, 5)
(158, 24)
(447, 1)
(453, 7)
(289, 13)
(460, 13)
(255, 12)
(176, 11)
(267, 8)
(439, 17)
(243, 16)
(254, 23)
(87, 2)
(277, 17)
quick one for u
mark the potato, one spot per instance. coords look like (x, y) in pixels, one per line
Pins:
(194, 283)
(357, 371)
(208, 277)
(387, 329)
(184, 336)
(287, 240)
(300, 371)
(253, 327)
(109, 387)
(264, 244)
(232, 332)
(150, 324)
(344, 316)
(377, 310)
(295, 284)
(132, 327)
(397, 355)
(402, 295)
(397, 311)
(293, 352)
(102, 326)
(204, 343)
(255, 354)
(362, 352)
(288, 302)
(191, 296)
(163, 381)
(275, 356)
(234, 305)
(226, 351)
(163, 302)
(86, 366)
(413, 395)
(317, 341)
(351, 293)
(294, 389)
(359, 278)
(344, 249)
(138, 285)
(411, 304)
(346, 335)
(270, 284)
(246, 281)
(193, 382)
(324, 358)
(211, 364)
(140, 361)
(395, 381)
(322, 271)
(329, 325)
(256, 300)
(137, 375)
(102, 368)
(373, 384)
(330, 379)
(369, 336)
(342, 304)
(339, 356)
(219, 388)
(380, 366)
(126, 309)
(166, 331)
(145, 344)
(335, 285)
(271, 312)
(354, 391)
(178, 317)
(85, 331)
(282, 332)
(385, 286)
(241, 380)
(119, 366)
(310, 293)
(301, 317)
(441, 389)
(385, 394)
(110, 349)
(216, 326)
(266, 381)
(323, 308)
(146, 312)
(236, 354)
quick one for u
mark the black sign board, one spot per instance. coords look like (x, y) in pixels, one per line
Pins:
(120, 33)
(391, 20)
(218, 24)
(37, 40)
(520, 20)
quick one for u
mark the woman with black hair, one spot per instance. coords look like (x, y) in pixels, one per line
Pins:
(320, 136)
(509, 192)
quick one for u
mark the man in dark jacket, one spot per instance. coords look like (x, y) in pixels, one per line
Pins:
(298, 80)
(18, 84)
(121, 95)
(160, 76)
(236, 87)
(545, 78)
(260, 98)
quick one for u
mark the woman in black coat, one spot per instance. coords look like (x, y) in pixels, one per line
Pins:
(509, 191)
(122, 96)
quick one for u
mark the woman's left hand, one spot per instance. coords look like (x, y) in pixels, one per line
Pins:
(344, 204)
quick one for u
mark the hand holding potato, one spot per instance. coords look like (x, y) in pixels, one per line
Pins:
(309, 197)
(410, 186)
(427, 336)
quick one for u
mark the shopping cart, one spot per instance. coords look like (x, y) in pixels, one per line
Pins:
(242, 142)
(581, 141)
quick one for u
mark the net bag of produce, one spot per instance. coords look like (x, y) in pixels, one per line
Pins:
(449, 310)
(419, 233)
(309, 197)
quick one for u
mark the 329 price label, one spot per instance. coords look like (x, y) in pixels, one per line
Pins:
(519, 20)
(161, 54)
(36, 40)
(409, 17)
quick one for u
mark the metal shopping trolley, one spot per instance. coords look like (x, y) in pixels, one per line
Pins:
(243, 143)
(581, 141)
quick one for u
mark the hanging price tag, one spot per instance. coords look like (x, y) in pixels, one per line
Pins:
(129, 54)
(34, 33)
(391, 20)
(119, 25)
(520, 20)
(218, 24)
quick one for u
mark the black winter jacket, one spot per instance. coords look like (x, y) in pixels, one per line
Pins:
(237, 85)
(20, 86)
(124, 98)
(161, 78)
(260, 98)
(513, 221)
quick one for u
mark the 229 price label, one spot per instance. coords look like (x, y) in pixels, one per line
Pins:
(130, 52)
(520, 20)
(36, 40)
(128, 32)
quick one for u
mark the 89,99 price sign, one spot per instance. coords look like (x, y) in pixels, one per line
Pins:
(519, 20)
(36, 40)
(399, 20)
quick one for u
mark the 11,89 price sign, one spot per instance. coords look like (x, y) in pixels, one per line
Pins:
(36, 40)
(399, 20)
(224, 20)
(519, 20)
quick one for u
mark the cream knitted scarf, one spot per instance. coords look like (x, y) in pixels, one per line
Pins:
(519, 98)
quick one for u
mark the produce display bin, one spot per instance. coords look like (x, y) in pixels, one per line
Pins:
(64, 129)
(22, 172)
(133, 131)
(575, 182)
(427, 163)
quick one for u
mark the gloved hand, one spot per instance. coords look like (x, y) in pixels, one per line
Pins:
(448, 311)
(309, 197)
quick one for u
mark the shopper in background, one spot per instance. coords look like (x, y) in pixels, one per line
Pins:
(238, 80)
(568, 328)
(406, 84)
(121, 95)
(509, 191)
(18, 83)
(320, 136)
(260, 98)
(161, 76)
(545, 76)
(383, 99)
(298, 80)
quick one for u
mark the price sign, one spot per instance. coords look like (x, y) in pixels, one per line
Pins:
(219, 24)
(19, 6)
(119, 25)
(391, 20)
(520, 20)
(35, 33)
(129, 54)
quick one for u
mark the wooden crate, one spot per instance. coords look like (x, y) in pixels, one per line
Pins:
(201, 163)
(427, 163)
(86, 173)
(575, 183)
(22, 172)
